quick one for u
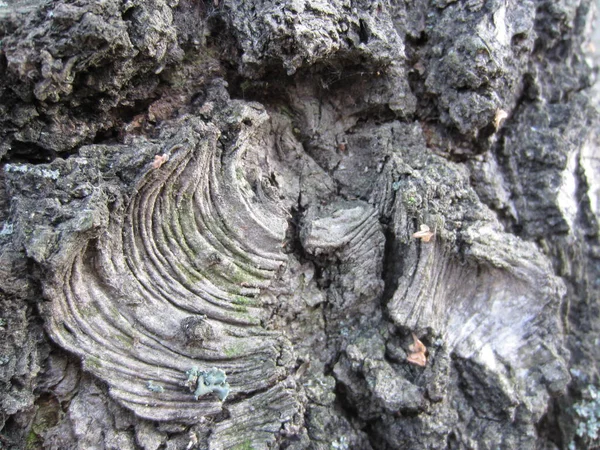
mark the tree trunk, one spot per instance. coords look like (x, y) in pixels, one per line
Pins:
(308, 224)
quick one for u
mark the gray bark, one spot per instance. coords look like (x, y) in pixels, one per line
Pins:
(308, 224)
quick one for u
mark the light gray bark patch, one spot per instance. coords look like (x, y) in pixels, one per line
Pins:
(198, 237)
(347, 234)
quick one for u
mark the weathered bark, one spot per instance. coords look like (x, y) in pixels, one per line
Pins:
(209, 213)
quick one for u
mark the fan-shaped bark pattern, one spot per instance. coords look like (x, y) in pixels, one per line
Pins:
(485, 309)
(174, 282)
(487, 296)
(348, 234)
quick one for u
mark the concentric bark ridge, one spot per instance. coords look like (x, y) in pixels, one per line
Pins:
(172, 280)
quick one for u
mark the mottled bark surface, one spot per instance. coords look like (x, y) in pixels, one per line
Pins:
(208, 213)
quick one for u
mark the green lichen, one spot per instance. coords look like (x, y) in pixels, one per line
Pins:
(89, 310)
(234, 350)
(242, 313)
(244, 301)
(246, 445)
(93, 362)
(33, 441)
(412, 200)
(155, 387)
(239, 174)
(241, 277)
(127, 341)
(48, 414)
(587, 420)
(212, 381)
(189, 277)
(114, 312)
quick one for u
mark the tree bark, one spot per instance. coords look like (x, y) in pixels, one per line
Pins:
(310, 224)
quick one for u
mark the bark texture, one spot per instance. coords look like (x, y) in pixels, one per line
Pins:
(208, 213)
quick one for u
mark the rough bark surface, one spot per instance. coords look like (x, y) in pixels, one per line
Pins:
(208, 213)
